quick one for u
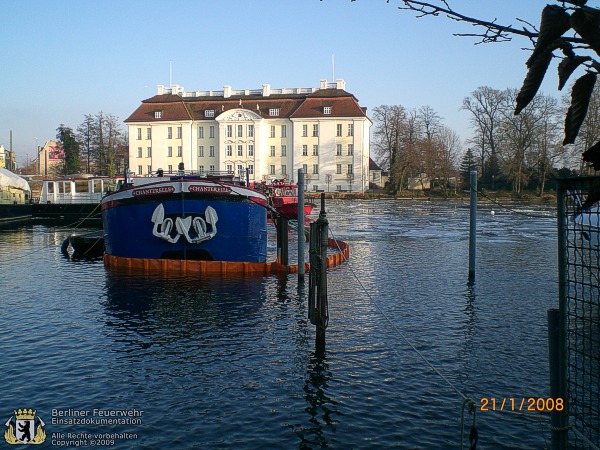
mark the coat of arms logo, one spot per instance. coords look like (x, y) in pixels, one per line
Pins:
(24, 427)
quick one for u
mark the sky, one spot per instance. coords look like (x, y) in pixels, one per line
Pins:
(63, 59)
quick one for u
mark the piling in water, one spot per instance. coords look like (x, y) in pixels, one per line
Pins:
(473, 225)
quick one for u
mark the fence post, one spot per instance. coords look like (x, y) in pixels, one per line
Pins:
(560, 439)
(558, 419)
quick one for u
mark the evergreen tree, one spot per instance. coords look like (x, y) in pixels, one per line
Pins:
(70, 146)
(467, 164)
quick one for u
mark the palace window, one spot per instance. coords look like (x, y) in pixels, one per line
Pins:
(229, 131)
(316, 130)
(283, 150)
(305, 150)
(178, 132)
(229, 151)
(274, 112)
(338, 168)
(209, 113)
(339, 130)
(201, 151)
(200, 132)
(272, 150)
(327, 110)
(148, 133)
(272, 131)
(350, 149)
(271, 170)
(350, 129)
(315, 150)
(250, 130)
(315, 168)
(139, 134)
(240, 130)
(338, 150)
(170, 133)
(149, 152)
(169, 151)
(139, 152)
(211, 132)
(283, 131)
(240, 150)
(304, 130)
(179, 150)
(250, 150)
(211, 151)
(158, 114)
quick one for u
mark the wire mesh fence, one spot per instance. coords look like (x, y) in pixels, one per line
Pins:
(579, 272)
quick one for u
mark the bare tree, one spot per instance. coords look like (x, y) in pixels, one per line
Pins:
(568, 31)
(485, 104)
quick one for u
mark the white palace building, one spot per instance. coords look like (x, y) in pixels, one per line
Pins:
(270, 132)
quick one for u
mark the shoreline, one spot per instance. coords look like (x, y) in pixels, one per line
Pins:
(484, 196)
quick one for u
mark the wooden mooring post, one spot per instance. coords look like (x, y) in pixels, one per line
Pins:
(301, 225)
(318, 308)
(282, 240)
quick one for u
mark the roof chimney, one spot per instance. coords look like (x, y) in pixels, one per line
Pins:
(226, 91)
(266, 90)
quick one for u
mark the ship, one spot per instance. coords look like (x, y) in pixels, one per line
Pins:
(185, 216)
(283, 198)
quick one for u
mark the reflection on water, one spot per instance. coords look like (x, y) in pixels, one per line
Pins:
(231, 363)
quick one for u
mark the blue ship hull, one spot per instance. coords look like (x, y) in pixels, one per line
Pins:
(188, 221)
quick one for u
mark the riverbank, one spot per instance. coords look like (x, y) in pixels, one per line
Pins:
(483, 196)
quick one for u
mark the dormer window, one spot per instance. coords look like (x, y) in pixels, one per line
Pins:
(158, 114)
(327, 110)
(209, 113)
(274, 112)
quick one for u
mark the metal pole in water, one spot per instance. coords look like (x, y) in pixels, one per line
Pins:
(473, 224)
(300, 224)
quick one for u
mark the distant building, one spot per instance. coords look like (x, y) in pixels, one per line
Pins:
(419, 183)
(376, 180)
(7, 159)
(269, 132)
(49, 158)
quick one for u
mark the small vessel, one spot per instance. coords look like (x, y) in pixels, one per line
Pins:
(14, 198)
(283, 197)
(186, 216)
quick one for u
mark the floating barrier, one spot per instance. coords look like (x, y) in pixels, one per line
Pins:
(223, 268)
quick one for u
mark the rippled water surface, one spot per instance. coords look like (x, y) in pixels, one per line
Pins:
(230, 363)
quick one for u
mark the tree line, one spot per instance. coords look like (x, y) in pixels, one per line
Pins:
(97, 146)
(510, 152)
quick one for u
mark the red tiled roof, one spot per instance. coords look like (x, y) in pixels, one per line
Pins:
(175, 107)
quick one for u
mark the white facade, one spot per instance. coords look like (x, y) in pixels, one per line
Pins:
(272, 132)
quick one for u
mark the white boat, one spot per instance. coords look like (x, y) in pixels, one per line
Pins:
(76, 189)
(587, 224)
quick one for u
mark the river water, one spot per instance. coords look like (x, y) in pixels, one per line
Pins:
(231, 363)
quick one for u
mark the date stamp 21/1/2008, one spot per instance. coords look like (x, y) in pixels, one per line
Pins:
(533, 404)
